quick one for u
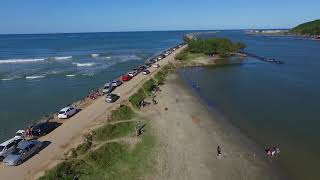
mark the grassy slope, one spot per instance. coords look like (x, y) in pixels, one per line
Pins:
(308, 28)
(114, 160)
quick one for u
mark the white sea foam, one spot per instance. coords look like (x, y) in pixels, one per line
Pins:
(95, 55)
(107, 57)
(84, 64)
(35, 77)
(7, 79)
(70, 75)
(12, 61)
(62, 57)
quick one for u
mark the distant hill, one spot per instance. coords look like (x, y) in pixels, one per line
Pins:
(308, 28)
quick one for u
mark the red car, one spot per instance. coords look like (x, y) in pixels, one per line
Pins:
(126, 78)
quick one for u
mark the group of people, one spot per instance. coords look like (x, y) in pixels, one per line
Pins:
(94, 94)
(28, 132)
(271, 152)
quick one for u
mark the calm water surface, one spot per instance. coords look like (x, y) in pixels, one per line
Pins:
(272, 104)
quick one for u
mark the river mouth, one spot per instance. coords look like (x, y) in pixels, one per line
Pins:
(275, 105)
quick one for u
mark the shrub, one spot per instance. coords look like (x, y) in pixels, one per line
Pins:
(84, 147)
(148, 86)
(183, 55)
(136, 98)
(122, 113)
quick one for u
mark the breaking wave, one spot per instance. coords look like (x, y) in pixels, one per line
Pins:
(62, 58)
(84, 64)
(12, 61)
(34, 77)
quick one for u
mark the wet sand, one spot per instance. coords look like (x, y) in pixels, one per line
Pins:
(189, 135)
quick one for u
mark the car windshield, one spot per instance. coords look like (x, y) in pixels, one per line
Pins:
(61, 112)
(1, 148)
(17, 151)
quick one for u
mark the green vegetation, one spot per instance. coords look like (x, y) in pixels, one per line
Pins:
(111, 160)
(136, 98)
(309, 28)
(111, 131)
(148, 86)
(83, 148)
(68, 170)
(163, 73)
(203, 47)
(122, 113)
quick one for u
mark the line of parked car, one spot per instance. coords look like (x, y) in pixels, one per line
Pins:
(16, 150)
(109, 87)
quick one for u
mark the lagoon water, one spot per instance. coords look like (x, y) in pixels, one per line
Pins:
(273, 104)
(39, 74)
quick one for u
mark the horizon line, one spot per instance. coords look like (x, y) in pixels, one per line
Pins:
(84, 32)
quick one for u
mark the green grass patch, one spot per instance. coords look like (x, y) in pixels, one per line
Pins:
(111, 131)
(187, 56)
(67, 170)
(148, 86)
(122, 113)
(83, 148)
(110, 161)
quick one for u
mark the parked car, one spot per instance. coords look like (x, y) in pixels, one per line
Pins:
(145, 72)
(110, 98)
(44, 128)
(132, 73)
(156, 65)
(153, 61)
(8, 147)
(126, 78)
(148, 64)
(108, 88)
(116, 83)
(67, 112)
(23, 151)
(142, 68)
(20, 133)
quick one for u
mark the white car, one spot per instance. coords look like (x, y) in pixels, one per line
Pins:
(8, 147)
(20, 133)
(146, 72)
(108, 88)
(116, 83)
(156, 65)
(132, 73)
(67, 112)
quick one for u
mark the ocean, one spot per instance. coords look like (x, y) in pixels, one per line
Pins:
(41, 73)
(274, 105)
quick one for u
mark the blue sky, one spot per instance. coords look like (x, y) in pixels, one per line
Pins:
(43, 16)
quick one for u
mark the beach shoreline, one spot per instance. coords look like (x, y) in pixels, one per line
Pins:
(70, 133)
(189, 132)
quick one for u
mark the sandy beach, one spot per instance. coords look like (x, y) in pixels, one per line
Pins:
(189, 134)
